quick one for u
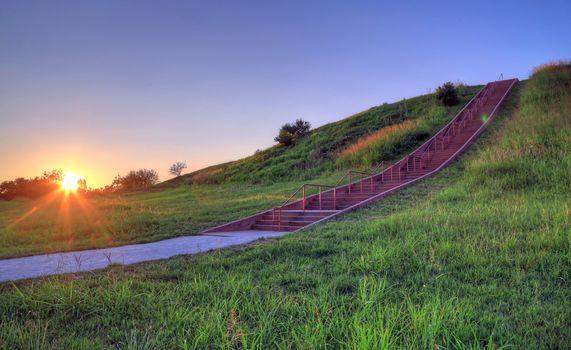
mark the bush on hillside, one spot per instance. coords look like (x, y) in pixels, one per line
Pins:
(135, 180)
(447, 94)
(289, 133)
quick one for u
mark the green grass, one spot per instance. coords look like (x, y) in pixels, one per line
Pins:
(476, 257)
(317, 153)
(116, 220)
(241, 188)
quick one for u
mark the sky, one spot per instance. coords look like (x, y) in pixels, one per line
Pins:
(104, 87)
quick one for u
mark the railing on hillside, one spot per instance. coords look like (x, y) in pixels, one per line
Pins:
(277, 211)
(417, 160)
(442, 139)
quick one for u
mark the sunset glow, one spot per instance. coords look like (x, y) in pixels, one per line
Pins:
(69, 182)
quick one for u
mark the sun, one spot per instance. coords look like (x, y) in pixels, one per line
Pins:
(69, 182)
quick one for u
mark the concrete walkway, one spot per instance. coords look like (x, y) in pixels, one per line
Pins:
(88, 260)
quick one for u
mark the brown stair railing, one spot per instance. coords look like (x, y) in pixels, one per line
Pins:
(302, 188)
(427, 159)
(417, 160)
(277, 211)
(443, 138)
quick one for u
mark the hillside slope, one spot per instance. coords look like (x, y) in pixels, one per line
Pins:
(221, 193)
(476, 257)
(319, 151)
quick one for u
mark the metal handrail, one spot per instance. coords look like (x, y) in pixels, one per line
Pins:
(477, 101)
(302, 188)
(290, 197)
(381, 165)
(419, 154)
(321, 186)
(445, 134)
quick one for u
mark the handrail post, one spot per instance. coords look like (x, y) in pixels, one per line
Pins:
(320, 198)
(334, 198)
(372, 184)
(361, 182)
(350, 181)
(303, 201)
(382, 171)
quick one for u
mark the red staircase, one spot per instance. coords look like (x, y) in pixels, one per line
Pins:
(433, 155)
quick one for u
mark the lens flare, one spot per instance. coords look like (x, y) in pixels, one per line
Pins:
(69, 182)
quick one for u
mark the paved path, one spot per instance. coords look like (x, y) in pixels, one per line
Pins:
(88, 260)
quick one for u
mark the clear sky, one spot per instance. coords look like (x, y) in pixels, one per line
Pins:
(102, 87)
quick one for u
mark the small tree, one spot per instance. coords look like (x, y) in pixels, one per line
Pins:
(289, 133)
(447, 94)
(177, 168)
(136, 179)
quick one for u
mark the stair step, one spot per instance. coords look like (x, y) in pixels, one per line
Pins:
(293, 218)
(284, 222)
(275, 228)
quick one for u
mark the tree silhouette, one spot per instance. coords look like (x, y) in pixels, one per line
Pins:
(177, 168)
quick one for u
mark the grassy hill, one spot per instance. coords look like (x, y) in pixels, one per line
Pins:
(476, 257)
(319, 152)
(224, 192)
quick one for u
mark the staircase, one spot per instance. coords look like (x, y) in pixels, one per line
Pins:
(332, 200)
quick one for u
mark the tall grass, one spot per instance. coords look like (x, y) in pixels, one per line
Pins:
(381, 143)
(390, 142)
(556, 65)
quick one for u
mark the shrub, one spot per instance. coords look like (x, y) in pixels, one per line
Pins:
(447, 94)
(136, 179)
(289, 133)
(284, 138)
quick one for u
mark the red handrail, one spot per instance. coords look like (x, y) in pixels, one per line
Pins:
(445, 134)
(419, 156)
(371, 175)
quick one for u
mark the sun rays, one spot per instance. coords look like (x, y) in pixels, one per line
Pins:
(76, 220)
(70, 181)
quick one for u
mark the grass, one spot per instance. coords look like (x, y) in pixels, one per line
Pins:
(222, 193)
(317, 153)
(57, 223)
(369, 146)
(391, 141)
(476, 257)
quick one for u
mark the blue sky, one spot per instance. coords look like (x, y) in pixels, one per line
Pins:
(102, 87)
